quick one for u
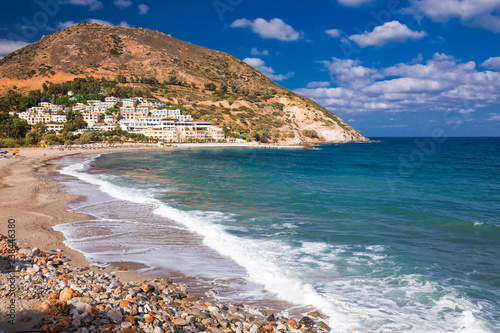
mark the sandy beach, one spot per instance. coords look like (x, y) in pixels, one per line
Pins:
(37, 203)
(32, 204)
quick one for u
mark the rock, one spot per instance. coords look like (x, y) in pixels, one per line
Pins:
(54, 307)
(130, 319)
(55, 328)
(126, 324)
(114, 284)
(271, 318)
(200, 314)
(146, 288)
(55, 294)
(36, 252)
(68, 294)
(307, 322)
(115, 316)
(124, 304)
(323, 326)
(315, 314)
(179, 322)
(158, 330)
(129, 330)
(293, 324)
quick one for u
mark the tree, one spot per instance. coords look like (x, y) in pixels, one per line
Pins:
(32, 138)
(51, 139)
(210, 86)
(40, 128)
(223, 88)
(121, 79)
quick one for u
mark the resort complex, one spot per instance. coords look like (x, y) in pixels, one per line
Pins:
(135, 115)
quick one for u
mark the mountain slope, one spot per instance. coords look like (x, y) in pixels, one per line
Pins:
(245, 100)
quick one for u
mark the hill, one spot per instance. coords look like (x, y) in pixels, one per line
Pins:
(208, 84)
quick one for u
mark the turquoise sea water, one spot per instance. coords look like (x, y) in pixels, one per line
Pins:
(397, 236)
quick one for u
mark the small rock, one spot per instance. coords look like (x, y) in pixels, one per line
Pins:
(323, 326)
(54, 307)
(293, 324)
(115, 316)
(126, 324)
(179, 322)
(68, 294)
(307, 322)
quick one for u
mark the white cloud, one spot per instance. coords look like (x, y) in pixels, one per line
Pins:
(478, 13)
(389, 32)
(317, 84)
(64, 25)
(334, 33)
(123, 3)
(275, 28)
(143, 9)
(441, 83)
(256, 52)
(353, 3)
(260, 65)
(494, 117)
(92, 4)
(8, 46)
(103, 22)
(492, 63)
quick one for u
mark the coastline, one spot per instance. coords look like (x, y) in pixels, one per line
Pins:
(37, 203)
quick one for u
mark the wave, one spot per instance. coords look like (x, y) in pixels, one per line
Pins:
(371, 304)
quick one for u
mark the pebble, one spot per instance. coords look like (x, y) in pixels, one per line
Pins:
(78, 300)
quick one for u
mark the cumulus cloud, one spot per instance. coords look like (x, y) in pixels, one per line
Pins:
(479, 13)
(353, 3)
(256, 52)
(494, 117)
(492, 63)
(260, 65)
(123, 3)
(334, 33)
(92, 4)
(317, 84)
(8, 46)
(442, 83)
(143, 9)
(103, 22)
(274, 29)
(65, 24)
(389, 32)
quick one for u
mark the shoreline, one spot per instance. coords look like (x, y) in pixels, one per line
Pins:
(37, 203)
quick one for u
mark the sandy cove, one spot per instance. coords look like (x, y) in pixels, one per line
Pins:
(56, 290)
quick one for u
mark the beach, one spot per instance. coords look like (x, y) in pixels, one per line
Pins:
(32, 204)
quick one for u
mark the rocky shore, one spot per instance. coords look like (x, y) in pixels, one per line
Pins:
(88, 300)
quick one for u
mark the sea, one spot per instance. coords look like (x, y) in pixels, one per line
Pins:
(401, 235)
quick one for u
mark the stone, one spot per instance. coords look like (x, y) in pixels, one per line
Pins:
(68, 294)
(315, 314)
(36, 252)
(124, 304)
(55, 294)
(158, 330)
(307, 322)
(115, 316)
(323, 326)
(200, 314)
(146, 288)
(271, 318)
(293, 324)
(115, 284)
(126, 324)
(130, 330)
(179, 322)
(55, 328)
(54, 307)
(130, 319)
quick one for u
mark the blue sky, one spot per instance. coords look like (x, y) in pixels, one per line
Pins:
(388, 68)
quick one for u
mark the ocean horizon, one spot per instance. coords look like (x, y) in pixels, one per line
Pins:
(401, 235)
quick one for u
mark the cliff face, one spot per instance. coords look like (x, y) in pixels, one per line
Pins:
(244, 99)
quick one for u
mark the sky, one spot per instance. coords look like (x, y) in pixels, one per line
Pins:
(388, 68)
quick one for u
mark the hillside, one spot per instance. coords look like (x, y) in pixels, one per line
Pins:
(208, 84)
